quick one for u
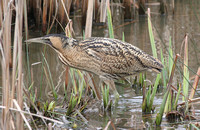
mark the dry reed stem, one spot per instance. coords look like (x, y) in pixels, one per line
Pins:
(69, 3)
(1, 15)
(38, 12)
(190, 101)
(175, 89)
(96, 11)
(68, 28)
(88, 27)
(18, 40)
(32, 114)
(28, 110)
(84, 11)
(172, 71)
(25, 19)
(95, 88)
(106, 128)
(68, 32)
(173, 7)
(6, 57)
(108, 124)
(61, 12)
(66, 77)
(15, 51)
(127, 9)
(29, 99)
(64, 11)
(81, 116)
(194, 86)
(56, 13)
(44, 16)
(103, 10)
(22, 114)
(50, 126)
(185, 69)
(51, 7)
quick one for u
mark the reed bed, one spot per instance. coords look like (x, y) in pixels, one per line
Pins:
(12, 85)
(170, 104)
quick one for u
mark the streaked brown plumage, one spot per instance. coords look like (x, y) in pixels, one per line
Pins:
(108, 58)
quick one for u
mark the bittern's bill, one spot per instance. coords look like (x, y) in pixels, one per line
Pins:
(108, 58)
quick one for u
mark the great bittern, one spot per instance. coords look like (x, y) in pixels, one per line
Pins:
(111, 59)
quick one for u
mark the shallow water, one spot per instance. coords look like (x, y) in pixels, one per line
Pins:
(128, 113)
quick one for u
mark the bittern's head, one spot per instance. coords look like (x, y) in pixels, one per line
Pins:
(56, 41)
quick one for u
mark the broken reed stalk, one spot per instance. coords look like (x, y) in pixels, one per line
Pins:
(185, 70)
(190, 101)
(89, 18)
(194, 86)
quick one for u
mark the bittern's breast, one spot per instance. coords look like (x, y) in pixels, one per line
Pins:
(77, 58)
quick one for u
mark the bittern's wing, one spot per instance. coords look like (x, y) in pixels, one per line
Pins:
(118, 58)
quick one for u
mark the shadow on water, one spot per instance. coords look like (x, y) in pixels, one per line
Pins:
(128, 113)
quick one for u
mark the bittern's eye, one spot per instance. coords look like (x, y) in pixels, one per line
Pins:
(47, 40)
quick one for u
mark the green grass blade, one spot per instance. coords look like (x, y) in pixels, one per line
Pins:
(168, 103)
(170, 60)
(110, 26)
(194, 126)
(177, 97)
(51, 79)
(154, 91)
(81, 87)
(162, 107)
(148, 109)
(151, 36)
(164, 70)
(123, 37)
(71, 73)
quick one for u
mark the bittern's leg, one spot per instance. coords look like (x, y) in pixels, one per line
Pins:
(111, 84)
